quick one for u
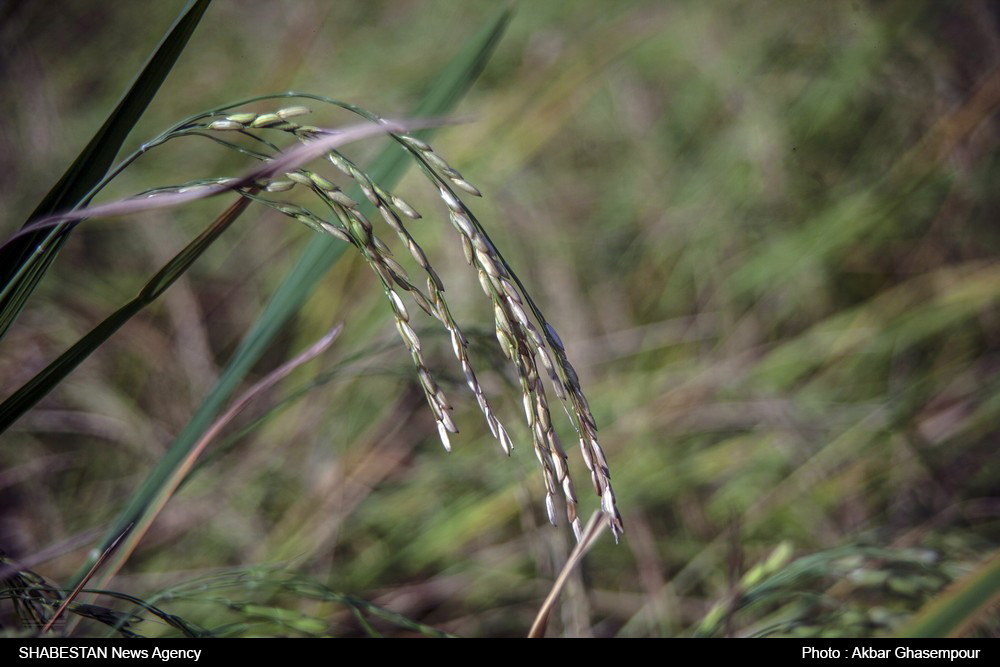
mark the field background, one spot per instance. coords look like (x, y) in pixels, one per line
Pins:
(767, 233)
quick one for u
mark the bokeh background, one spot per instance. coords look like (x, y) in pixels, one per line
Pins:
(767, 233)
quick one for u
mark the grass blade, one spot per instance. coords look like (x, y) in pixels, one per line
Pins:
(22, 264)
(24, 398)
(28, 395)
(79, 587)
(318, 257)
(953, 612)
(170, 488)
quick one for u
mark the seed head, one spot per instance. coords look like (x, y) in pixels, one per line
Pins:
(225, 124)
(525, 337)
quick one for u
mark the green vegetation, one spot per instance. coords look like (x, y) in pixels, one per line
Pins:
(764, 232)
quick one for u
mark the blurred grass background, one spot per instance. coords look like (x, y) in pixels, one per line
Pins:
(766, 233)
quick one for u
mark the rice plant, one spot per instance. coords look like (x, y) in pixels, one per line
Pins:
(530, 346)
(763, 234)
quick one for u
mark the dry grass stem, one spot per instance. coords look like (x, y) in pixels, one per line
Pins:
(587, 540)
(133, 537)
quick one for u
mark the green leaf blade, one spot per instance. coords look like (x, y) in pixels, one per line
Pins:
(24, 262)
(320, 254)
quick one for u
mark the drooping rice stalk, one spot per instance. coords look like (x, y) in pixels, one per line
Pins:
(521, 341)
